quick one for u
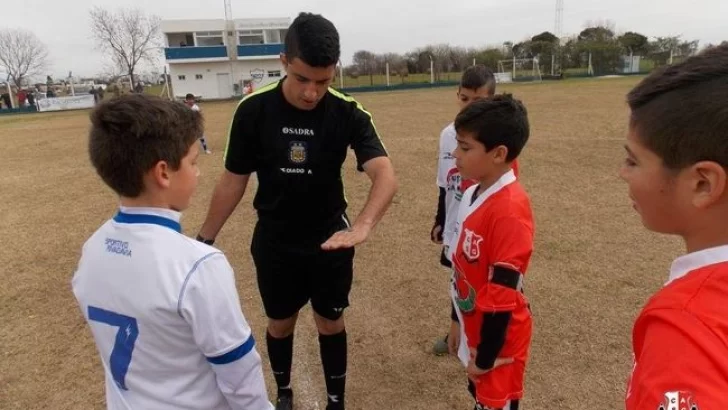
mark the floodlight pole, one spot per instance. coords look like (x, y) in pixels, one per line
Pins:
(388, 84)
(341, 74)
(432, 70)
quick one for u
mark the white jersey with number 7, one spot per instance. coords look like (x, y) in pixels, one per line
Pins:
(165, 315)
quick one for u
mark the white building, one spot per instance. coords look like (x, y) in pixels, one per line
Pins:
(206, 62)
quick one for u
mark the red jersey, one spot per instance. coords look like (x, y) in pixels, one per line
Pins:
(680, 339)
(494, 240)
(514, 166)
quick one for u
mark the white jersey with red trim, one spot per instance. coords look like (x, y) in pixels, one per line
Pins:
(449, 178)
(165, 315)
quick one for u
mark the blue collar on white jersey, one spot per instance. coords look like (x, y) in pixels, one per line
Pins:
(155, 216)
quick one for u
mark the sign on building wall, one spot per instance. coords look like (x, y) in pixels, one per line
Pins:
(257, 74)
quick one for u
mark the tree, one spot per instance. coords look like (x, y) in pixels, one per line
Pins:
(522, 49)
(545, 37)
(605, 49)
(635, 43)
(662, 48)
(127, 36)
(508, 48)
(597, 33)
(544, 46)
(365, 62)
(22, 55)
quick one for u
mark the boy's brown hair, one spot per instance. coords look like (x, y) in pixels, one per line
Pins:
(680, 112)
(477, 76)
(495, 121)
(130, 134)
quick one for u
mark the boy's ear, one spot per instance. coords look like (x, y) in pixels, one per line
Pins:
(708, 183)
(500, 154)
(160, 174)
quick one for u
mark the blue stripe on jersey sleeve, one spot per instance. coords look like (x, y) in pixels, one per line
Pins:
(235, 354)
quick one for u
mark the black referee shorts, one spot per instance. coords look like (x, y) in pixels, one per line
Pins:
(289, 275)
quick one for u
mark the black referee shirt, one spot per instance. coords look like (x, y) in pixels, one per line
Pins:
(298, 156)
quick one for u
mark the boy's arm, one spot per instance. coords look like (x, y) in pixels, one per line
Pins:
(512, 245)
(681, 358)
(442, 170)
(210, 304)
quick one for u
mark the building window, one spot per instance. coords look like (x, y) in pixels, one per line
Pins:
(181, 77)
(198, 76)
(209, 38)
(272, 36)
(274, 73)
(248, 37)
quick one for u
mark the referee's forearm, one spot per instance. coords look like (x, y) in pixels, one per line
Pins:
(384, 187)
(228, 193)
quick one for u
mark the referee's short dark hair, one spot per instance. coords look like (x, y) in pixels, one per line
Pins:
(313, 39)
(130, 134)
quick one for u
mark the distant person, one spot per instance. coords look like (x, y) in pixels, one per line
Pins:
(93, 92)
(162, 308)
(6, 99)
(676, 170)
(190, 102)
(22, 97)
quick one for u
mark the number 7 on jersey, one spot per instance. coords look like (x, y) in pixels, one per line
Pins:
(124, 344)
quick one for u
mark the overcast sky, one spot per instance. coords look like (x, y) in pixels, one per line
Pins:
(378, 25)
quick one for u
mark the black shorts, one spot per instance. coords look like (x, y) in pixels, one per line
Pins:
(290, 274)
(444, 261)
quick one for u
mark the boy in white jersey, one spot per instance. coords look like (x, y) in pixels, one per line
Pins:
(163, 308)
(190, 102)
(476, 82)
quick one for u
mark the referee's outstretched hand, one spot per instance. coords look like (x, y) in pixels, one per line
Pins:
(347, 238)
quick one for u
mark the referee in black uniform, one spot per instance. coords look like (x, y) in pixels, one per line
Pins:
(294, 134)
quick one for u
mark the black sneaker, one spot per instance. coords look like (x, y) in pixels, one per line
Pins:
(284, 403)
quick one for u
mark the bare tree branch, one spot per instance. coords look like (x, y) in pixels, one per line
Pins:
(22, 54)
(127, 37)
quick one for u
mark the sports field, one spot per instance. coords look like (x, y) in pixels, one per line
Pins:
(593, 268)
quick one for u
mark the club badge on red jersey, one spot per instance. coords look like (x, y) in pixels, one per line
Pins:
(678, 400)
(471, 245)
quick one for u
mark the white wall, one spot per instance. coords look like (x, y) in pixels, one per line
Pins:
(182, 26)
(187, 26)
(207, 87)
(243, 70)
(262, 23)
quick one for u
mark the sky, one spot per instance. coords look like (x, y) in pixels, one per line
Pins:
(376, 25)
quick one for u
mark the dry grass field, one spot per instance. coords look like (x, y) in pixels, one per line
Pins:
(593, 268)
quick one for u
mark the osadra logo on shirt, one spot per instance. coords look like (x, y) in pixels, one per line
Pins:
(678, 400)
(297, 131)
